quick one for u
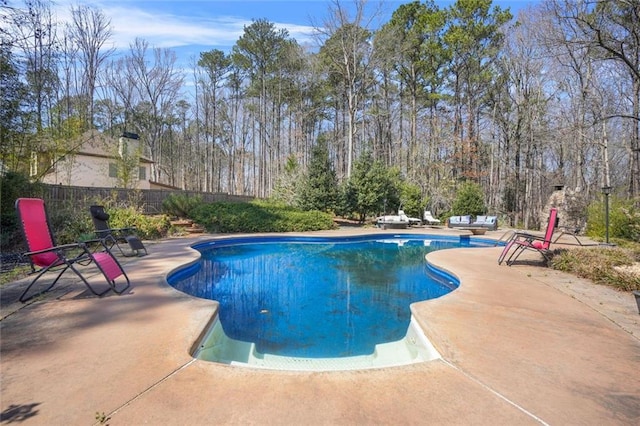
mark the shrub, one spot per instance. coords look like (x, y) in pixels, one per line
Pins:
(13, 186)
(69, 224)
(601, 265)
(147, 227)
(259, 216)
(179, 205)
(469, 200)
(411, 198)
(288, 183)
(624, 220)
(371, 189)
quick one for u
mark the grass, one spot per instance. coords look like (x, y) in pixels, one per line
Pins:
(14, 274)
(615, 267)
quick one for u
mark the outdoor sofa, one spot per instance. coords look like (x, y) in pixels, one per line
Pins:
(459, 221)
(488, 222)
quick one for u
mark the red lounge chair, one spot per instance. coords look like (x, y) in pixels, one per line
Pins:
(46, 256)
(521, 241)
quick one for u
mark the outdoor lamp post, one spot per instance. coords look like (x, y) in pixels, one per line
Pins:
(606, 190)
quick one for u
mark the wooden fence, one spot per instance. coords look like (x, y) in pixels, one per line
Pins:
(149, 200)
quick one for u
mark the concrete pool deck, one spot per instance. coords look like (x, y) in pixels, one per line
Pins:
(519, 345)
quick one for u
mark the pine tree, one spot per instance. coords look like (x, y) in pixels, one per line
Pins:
(320, 187)
(469, 200)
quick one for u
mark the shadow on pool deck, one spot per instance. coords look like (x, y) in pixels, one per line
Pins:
(519, 345)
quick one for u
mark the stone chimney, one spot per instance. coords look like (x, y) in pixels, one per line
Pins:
(572, 209)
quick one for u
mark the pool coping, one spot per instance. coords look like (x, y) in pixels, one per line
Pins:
(559, 353)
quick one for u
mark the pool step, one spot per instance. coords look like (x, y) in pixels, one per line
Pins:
(413, 348)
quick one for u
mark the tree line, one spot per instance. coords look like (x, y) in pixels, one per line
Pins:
(436, 98)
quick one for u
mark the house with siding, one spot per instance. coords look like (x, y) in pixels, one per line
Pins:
(99, 161)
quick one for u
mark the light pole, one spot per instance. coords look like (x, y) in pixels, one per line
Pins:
(606, 190)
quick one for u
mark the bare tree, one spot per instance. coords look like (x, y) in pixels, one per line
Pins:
(611, 30)
(36, 37)
(89, 30)
(474, 37)
(261, 52)
(142, 96)
(215, 65)
(346, 50)
(519, 102)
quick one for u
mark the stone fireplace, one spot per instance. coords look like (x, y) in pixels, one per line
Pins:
(572, 215)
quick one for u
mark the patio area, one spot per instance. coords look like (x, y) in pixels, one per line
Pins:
(520, 345)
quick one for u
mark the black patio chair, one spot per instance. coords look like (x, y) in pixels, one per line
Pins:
(116, 236)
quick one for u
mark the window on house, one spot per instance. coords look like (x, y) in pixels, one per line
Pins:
(113, 170)
(142, 173)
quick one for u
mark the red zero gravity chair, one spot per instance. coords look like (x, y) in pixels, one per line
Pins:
(521, 241)
(46, 256)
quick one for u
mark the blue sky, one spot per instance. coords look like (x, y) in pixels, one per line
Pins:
(193, 26)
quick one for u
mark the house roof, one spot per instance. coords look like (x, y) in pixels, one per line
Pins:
(95, 144)
(158, 185)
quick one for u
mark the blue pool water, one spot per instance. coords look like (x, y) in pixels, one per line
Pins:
(317, 297)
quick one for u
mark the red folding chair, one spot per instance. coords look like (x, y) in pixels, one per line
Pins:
(45, 256)
(521, 241)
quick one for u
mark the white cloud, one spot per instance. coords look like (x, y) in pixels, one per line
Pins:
(162, 30)
(167, 30)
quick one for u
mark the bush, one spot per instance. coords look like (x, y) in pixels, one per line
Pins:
(147, 227)
(624, 220)
(13, 186)
(69, 225)
(411, 197)
(469, 200)
(601, 265)
(371, 189)
(257, 216)
(178, 205)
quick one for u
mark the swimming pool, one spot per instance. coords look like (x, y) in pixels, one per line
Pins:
(315, 298)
